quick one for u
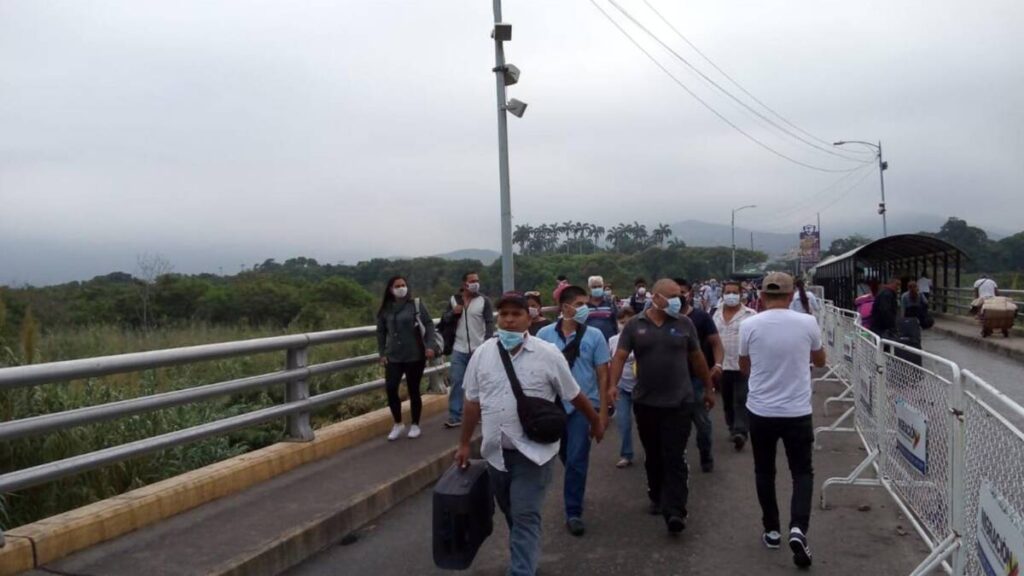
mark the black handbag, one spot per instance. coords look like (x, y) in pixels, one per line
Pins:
(543, 420)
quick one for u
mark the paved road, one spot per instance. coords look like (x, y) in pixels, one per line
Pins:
(999, 370)
(722, 538)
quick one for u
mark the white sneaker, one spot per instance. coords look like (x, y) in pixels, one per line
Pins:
(414, 431)
(396, 431)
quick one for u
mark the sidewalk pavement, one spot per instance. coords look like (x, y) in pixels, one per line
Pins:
(968, 330)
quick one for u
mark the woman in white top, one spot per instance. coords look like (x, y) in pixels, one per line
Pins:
(804, 301)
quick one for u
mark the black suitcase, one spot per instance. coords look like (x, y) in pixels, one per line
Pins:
(910, 335)
(463, 515)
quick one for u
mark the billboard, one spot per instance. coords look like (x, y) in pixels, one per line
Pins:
(810, 245)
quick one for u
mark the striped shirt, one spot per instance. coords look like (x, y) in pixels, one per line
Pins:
(729, 332)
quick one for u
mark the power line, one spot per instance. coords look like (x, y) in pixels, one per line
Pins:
(801, 203)
(811, 209)
(709, 80)
(738, 85)
(708, 106)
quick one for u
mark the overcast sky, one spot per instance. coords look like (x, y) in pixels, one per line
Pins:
(221, 133)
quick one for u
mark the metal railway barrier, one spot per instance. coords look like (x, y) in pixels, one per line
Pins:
(296, 409)
(945, 445)
(839, 329)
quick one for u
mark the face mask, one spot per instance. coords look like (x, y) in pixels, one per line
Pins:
(731, 300)
(674, 306)
(581, 314)
(622, 326)
(473, 287)
(400, 292)
(534, 312)
(641, 291)
(597, 292)
(509, 340)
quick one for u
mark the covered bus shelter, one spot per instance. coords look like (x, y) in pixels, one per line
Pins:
(844, 277)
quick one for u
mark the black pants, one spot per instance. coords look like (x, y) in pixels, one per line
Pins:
(797, 435)
(734, 401)
(664, 433)
(413, 372)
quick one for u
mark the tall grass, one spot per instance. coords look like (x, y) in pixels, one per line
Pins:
(70, 343)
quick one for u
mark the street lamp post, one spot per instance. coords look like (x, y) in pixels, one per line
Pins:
(734, 211)
(505, 75)
(882, 167)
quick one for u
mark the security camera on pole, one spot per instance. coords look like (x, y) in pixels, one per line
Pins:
(505, 75)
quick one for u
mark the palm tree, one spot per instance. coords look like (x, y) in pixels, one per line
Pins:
(521, 236)
(676, 243)
(597, 232)
(662, 233)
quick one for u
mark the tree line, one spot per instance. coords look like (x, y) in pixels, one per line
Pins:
(586, 238)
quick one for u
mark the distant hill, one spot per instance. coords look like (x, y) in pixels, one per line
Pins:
(483, 255)
(698, 233)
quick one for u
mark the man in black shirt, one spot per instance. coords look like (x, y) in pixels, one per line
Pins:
(886, 310)
(711, 346)
(665, 345)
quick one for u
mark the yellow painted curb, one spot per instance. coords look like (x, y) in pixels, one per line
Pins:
(63, 534)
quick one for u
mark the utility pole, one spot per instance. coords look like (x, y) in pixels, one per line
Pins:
(882, 165)
(508, 280)
(733, 227)
(751, 241)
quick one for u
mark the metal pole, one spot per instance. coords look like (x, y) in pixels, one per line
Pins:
(751, 241)
(507, 274)
(881, 179)
(733, 226)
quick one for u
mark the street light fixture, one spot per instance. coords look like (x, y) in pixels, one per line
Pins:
(734, 211)
(505, 75)
(882, 167)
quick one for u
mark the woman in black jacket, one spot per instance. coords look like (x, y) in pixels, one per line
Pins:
(405, 336)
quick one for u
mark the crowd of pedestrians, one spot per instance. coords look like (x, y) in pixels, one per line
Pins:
(654, 359)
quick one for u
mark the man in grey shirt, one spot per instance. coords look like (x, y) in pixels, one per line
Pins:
(665, 344)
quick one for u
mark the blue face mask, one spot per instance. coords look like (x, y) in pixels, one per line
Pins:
(674, 306)
(582, 313)
(597, 292)
(509, 340)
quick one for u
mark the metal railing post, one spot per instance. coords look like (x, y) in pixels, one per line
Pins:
(958, 472)
(297, 427)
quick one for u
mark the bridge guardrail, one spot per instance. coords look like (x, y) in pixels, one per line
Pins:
(946, 445)
(959, 300)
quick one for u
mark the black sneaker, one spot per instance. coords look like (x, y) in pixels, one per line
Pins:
(801, 551)
(575, 526)
(675, 524)
(772, 539)
(738, 440)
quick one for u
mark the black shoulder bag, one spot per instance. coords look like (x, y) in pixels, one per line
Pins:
(543, 421)
(572, 350)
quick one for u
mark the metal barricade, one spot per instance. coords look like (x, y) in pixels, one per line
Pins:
(993, 498)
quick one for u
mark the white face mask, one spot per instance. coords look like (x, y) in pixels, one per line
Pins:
(473, 287)
(400, 291)
(731, 300)
(534, 312)
(641, 291)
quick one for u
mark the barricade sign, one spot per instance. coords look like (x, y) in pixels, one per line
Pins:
(912, 435)
(1000, 542)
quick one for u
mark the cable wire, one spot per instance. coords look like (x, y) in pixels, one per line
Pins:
(790, 222)
(708, 106)
(740, 86)
(718, 86)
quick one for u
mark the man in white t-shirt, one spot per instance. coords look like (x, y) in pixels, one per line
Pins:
(924, 286)
(985, 287)
(775, 347)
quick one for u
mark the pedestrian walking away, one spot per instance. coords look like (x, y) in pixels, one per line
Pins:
(728, 319)
(586, 351)
(405, 342)
(775, 347)
(624, 389)
(519, 468)
(665, 345)
(470, 317)
(804, 301)
(711, 346)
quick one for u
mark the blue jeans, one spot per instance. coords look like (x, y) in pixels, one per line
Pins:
(519, 492)
(701, 421)
(624, 420)
(575, 455)
(456, 373)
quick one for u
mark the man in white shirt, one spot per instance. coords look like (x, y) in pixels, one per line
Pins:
(984, 287)
(775, 347)
(728, 319)
(519, 468)
(469, 313)
(924, 286)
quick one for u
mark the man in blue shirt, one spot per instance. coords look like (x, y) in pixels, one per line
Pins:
(603, 310)
(586, 350)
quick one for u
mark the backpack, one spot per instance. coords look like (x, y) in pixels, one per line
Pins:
(438, 342)
(864, 308)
